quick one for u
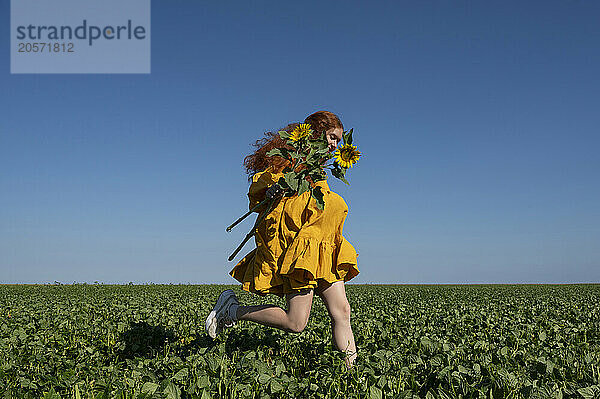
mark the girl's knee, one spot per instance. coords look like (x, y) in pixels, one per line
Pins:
(341, 314)
(297, 321)
(297, 326)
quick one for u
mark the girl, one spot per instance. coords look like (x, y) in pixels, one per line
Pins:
(299, 250)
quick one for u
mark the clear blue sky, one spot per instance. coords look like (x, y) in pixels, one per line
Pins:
(478, 123)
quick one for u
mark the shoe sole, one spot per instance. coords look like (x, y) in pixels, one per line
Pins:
(211, 320)
(211, 324)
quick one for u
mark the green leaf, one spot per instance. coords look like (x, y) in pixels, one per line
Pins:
(149, 387)
(318, 175)
(205, 395)
(276, 386)
(322, 152)
(303, 187)
(349, 137)
(318, 196)
(291, 180)
(51, 394)
(375, 393)
(181, 374)
(275, 152)
(310, 166)
(172, 391)
(590, 392)
(264, 378)
(302, 174)
(280, 368)
(283, 134)
(463, 370)
(203, 382)
(339, 173)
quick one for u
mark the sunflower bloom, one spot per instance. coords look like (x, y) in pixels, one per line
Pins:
(300, 132)
(347, 155)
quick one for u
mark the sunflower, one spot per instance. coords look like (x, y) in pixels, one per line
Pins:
(300, 132)
(347, 155)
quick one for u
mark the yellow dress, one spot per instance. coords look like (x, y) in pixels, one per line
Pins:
(298, 246)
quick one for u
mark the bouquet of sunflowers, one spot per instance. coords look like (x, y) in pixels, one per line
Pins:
(307, 161)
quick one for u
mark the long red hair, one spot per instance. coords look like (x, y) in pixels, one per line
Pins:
(258, 161)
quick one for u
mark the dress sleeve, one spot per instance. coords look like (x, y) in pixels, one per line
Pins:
(260, 183)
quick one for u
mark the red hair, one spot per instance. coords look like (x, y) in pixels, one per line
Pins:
(258, 161)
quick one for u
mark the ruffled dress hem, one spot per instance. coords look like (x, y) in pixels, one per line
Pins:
(307, 263)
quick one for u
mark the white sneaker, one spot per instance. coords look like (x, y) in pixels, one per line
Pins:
(219, 317)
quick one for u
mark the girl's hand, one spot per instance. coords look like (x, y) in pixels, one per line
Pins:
(274, 191)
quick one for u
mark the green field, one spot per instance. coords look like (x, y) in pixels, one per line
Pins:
(477, 341)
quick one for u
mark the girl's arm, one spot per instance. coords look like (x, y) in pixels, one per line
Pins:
(260, 183)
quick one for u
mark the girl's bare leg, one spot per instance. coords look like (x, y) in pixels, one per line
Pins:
(338, 307)
(292, 320)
